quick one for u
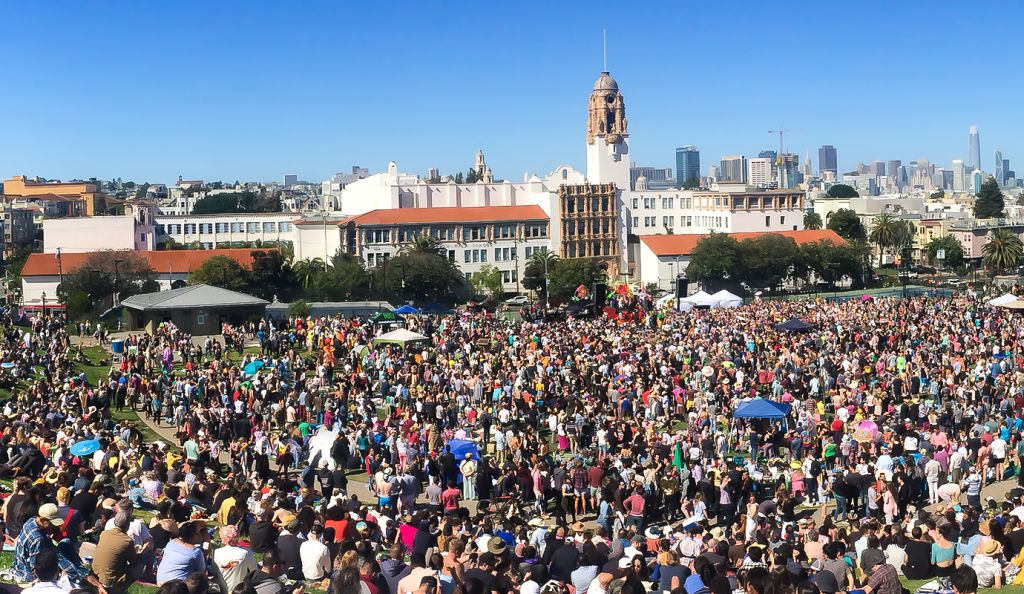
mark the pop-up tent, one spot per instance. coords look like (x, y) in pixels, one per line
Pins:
(727, 299)
(385, 317)
(699, 298)
(434, 308)
(794, 325)
(761, 409)
(406, 309)
(1003, 299)
(401, 336)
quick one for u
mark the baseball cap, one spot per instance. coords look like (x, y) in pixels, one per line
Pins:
(49, 512)
(826, 581)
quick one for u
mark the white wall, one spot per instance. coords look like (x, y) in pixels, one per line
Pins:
(90, 234)
(310, 240)
(282, 227)
(662, 270)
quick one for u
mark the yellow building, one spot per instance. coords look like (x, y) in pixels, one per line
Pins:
(88, 193)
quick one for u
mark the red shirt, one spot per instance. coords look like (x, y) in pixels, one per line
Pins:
(450, 499)
(634, 504)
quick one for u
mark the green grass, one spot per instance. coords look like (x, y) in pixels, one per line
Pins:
(913, 585)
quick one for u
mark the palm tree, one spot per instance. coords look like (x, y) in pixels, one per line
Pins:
(542, 257)
(812, 221)
(884, 230)
(1003, 250)
(307, 269)
(424, 244)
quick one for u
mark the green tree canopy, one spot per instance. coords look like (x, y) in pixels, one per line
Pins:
(570, 273)
(111, 272)
(812, 221)
(220, 271)
(989, 202)
(488, 281)
(426, 276)
(842, 191)
(238, 202)
(692, 183)
(954, 251)
(847, 225)
(1003, 250)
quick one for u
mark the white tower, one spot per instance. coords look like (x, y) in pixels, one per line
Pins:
(607, 138)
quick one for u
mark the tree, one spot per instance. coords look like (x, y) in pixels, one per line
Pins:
(989, 202)
(884, 231)
(234, 202)
(489, 280)
(570, 273)
(220, 271)
(120, 273)
(847, 225)
(424, 244)
(140, 192)
(937, 195)
(348, 277)
(812, 221)
(1003, 250)
(300, 308)
(954, 251)
(541, 260)
(715, 258)
(458, 177)
(307, 269)
(841, 191)
(172, 244)
(425, 276)
(271, 277)
(216, 204)
(472, 176)
(767, 260)
(692, 183)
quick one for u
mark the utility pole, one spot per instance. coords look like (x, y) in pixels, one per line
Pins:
(60, 272)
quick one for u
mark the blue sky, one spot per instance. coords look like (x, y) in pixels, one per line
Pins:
(253, 90)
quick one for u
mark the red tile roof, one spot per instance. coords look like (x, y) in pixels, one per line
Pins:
(179, 261)
(474, 214)
(682, 245)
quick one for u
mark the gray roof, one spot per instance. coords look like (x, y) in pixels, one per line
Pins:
(191, 297)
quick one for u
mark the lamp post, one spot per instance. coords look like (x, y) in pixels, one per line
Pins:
(44, 304)
(117, 263)
(324, 213)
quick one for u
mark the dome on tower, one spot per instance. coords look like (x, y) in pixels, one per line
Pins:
(606, 83)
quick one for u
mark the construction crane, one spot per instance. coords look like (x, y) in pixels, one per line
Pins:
(780, 131)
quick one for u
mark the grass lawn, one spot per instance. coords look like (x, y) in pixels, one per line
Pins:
(913, 585)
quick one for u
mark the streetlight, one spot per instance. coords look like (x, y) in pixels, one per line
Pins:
(44, 304)
(324, 213)
(117, 262)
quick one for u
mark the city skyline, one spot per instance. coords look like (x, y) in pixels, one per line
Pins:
(197, 96)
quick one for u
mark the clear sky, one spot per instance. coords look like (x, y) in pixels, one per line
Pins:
(253, 90)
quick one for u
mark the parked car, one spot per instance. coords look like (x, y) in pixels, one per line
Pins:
(518, 300)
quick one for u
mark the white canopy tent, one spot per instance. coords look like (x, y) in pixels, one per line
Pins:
(679, 304)
(1003, 299)
(727, 299)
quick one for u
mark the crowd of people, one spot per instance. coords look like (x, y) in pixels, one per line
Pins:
(490, 456)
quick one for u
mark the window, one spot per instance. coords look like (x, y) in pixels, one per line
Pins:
(190, 228)
(636, 203)
(572, 250)
(565, 174)
(636, 221)
(451, 255)
(647, 203)
(483, 255)
(513, 252)
(782, 220)
(207, 245)
(689, 221)
(253, 228)
(160, 230)
(506, 231)
(206, 227)
(504, 255)
(269, 227)
(284, 227)
(221, 227)
(200, 319)
(768, 221)
(469, 275)
(236, 227)
(497, 254)
(142, 237)
(476, 256)
(527, 251)
(570, 204)
(469, 256)
(664, 202)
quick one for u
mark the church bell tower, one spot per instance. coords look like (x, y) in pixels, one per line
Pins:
(607, 138)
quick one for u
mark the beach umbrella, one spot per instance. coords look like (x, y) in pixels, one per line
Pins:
(253, 367)
(84, 448)
(866, 298)
(863, 435)
(869, 425)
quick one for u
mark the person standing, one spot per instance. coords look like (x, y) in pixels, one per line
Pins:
(468, 470)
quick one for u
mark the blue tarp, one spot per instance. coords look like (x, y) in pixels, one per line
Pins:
(460, 448)
(407, 309)
(761, 409)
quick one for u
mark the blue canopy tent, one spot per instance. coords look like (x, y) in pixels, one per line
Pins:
(407, 309)
(761, 409)
(434, 308)
(794, 325)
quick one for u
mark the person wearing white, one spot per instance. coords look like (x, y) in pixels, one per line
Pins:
(316, 559)
(231, 562)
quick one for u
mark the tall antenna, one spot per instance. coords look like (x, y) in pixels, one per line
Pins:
(604, 35)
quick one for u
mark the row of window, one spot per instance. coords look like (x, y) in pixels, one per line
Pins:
(595, 226)
(687, 221)
(374, 259)
(476, 233)
(507, 276)
(687, 202)
(596, 204)
(209, 228)
(598, 248)
(504, 254)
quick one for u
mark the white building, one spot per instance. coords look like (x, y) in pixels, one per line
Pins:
(726, 208)
(135, 230)
(760, 172)
(212, 229)
(472, 237)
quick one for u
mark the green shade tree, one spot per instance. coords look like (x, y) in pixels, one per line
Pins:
(307, 269)
(570, 273)
(954, 251)
(111, 272)
(989, 202)
(884, 231)
(842, 191)
(847, 225)
(426, 276)
(220, 271)
(488, 280)
(692, 183)
(1003, 250)
(812, 221)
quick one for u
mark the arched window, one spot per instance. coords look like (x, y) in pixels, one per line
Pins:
(565, 174)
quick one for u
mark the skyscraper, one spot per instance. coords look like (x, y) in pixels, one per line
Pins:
(687, 164)
(1007, 174)
(760, 172)
(893, 165)
(959, 176)
(877, 168)
(827, 159)
(734, 169)
(973, 149)
(1000, 176)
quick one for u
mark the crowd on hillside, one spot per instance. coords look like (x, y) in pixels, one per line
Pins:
(487, 456)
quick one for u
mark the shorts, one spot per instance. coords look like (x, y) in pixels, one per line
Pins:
(385, 501)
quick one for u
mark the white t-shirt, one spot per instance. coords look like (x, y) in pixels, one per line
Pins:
(233, 564)
(137, 531)
(999, 448)
(316, 560)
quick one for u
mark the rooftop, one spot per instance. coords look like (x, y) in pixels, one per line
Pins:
(176, 261)
(195, 296)
(476, 214)
(682, 245)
